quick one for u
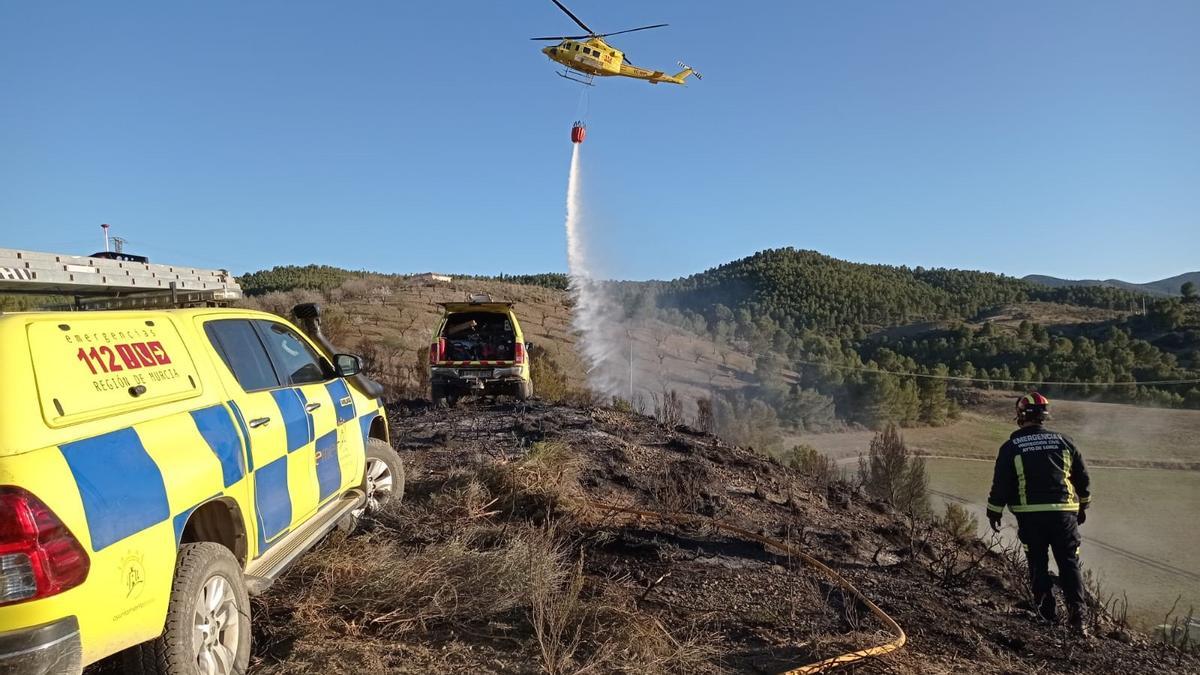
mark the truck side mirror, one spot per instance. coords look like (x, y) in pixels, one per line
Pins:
(347, 365)
(528, 347)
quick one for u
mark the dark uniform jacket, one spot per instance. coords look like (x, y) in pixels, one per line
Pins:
(1039, 470)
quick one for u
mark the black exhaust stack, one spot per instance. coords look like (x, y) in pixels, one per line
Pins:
(308, 315)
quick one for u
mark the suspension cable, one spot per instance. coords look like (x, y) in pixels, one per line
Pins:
(963, 378)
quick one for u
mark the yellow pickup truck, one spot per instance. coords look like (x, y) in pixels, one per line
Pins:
(478, 348)
(157, 467)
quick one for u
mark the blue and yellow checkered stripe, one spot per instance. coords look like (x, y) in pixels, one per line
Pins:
(133, 478)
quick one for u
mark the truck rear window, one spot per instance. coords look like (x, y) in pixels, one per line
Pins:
(91, 367)
(478, 336)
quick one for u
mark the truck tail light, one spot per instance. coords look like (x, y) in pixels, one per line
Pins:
(519, 352)
(437, 351)
(39, 556)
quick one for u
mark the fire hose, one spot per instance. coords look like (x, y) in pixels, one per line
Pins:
(817, 666)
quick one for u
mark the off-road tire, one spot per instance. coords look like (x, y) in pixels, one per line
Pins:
(442, 398)
(525, 390)
(378, 451)
(175, 652)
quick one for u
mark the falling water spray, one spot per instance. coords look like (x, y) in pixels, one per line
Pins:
(601, 341)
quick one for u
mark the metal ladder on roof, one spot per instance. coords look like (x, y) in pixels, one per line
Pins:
(101, 283)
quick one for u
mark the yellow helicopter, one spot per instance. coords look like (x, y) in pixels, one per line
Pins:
(588, 56)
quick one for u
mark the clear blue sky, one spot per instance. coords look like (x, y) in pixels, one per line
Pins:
(1020, 137)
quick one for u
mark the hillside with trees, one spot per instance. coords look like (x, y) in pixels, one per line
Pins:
(826, 319)
(831, 342)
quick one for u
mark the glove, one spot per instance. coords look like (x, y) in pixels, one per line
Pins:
(1081, 516)
(994, 520)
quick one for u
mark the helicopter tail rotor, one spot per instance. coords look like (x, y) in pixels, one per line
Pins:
(688, 70)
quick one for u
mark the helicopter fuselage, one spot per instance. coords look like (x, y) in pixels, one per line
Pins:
(595, 57)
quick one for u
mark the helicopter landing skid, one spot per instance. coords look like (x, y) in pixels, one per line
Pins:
(576, 76)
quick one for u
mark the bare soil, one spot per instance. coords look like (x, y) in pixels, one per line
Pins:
(430, 586)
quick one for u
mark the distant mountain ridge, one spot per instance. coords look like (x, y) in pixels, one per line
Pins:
(1162, 287)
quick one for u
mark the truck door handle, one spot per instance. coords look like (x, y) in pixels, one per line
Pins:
(312, 406)
(259, 422)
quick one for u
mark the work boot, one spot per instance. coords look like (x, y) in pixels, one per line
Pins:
(1078, 622)
(1047, 608)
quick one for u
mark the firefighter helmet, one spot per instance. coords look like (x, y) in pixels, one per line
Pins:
(1033, 407)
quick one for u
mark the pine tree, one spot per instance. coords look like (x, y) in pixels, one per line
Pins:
(890, 473)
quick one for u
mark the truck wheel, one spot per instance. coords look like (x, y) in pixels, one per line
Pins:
(525, 390)
(208, 619)
(383, 482)
(443, 398)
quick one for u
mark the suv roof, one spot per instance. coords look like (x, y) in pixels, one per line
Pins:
(475, 306)
(47, 315)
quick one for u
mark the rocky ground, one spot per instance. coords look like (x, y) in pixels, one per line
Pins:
(499, 560)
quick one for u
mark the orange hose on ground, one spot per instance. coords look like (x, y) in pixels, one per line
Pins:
(788, 549)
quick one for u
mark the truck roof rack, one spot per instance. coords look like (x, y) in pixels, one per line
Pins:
(102, 283)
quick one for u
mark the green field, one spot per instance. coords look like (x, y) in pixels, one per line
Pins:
(1139, 536)
(1103, 431)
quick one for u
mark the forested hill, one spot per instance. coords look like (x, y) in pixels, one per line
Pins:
(839, 324)
(809, 290)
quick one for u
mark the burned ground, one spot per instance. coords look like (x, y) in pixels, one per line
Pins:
(500, 561)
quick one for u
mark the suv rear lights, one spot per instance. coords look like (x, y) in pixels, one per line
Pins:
(39, 556)
(437, 351)
(519, 352)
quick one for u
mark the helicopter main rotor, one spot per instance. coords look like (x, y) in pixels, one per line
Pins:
(590, 33)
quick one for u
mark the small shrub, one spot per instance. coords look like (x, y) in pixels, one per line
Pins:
(555, 614)
(542, 484)
(960, 523)
(549, 379)
(952, 561)
(812, 463)
(421, 370)
(622, 405)
(705, 421)
(683, 487)
(1180, 630)
(668, 408)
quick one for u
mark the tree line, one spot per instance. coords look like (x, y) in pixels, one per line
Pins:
(325, 278)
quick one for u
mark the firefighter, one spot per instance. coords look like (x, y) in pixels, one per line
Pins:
(1040, 476)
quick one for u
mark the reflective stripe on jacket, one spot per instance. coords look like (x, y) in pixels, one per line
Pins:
(1039, 470)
